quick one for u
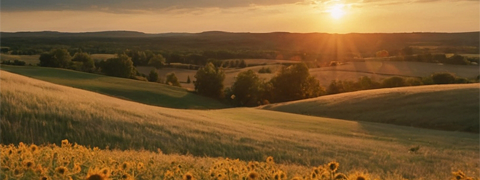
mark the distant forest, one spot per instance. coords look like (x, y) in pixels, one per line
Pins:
(224, 45)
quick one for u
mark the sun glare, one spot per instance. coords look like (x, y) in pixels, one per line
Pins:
(337, 11)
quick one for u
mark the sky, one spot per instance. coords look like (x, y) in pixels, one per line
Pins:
(302, 16)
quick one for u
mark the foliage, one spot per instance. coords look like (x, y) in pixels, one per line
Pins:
(209, 81)
(247, 89)
(14, 62)
(382, 53)
(74, 161)
(153, 76)
(393, 82)
(265, 70)
(457, 59)
(157, 61)
(188, 80)
(172, 80)
(294, 83)
(120, 66)
(88, 64)
(443, 78)
(55, 58)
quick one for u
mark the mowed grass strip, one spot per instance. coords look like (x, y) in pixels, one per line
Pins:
(39, 112)
(445, 107)
(133, 90)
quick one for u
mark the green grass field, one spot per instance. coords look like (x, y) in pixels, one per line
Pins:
(445, 107)
(139, 91)
(44, 112)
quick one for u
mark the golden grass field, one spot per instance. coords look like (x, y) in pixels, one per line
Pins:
(39, 112)
(446, 107)
(28, 59)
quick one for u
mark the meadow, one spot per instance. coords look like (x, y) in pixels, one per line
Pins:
(129, 89)
(444, 107)
(48, 113)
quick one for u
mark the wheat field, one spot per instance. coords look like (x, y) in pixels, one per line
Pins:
(39, 112)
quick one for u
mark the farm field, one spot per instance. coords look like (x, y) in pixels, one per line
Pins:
(405, 68)
(134, 90)
(28, 59)
(48, 113)
(444, 107)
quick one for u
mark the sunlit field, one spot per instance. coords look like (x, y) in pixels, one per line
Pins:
(49, 113)
(444, 107)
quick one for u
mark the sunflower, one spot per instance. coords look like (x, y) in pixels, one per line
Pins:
(252, 175)
(333, 166)
(270, 159)
(61, 170)
(188, 176)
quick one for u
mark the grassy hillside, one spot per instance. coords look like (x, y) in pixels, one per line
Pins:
(40, 112)
(444, 107)
(139, 91)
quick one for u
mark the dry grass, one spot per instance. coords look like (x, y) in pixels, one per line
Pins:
(45, 112)
(413, 69)
(28, 59)
(446, 107)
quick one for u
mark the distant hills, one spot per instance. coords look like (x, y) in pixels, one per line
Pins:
(334, 45)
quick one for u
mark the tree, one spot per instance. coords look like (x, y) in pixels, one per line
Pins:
(188, 80)
(242, 64)
(55, 58)
(393, 82)
(294, 83)
(157, 61)
(121, 66)
(87, 62)
(382, 53)
(153, 76)
(209, 81)
(172, 80)
(443, 78)
(247, 89)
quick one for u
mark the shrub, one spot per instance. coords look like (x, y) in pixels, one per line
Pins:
(247, 89)
(413, 82)
(120, 66)
(153, 76)
(209, 81)
(55, 58)
(393, 82)
(443, 78)
(15, 62)
(265, 70)
(461, 81)
(294, 83)
(172, 80)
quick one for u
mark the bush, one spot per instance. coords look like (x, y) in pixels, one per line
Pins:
(461, 81)
(153, 76)
(55, 58)
(15, 62)
(247, 89)
(209, 81)
(413, 82)
(264, 70)
(443, 78)
(172, 80)
(120, 66)
(294, 83)
(393, 82)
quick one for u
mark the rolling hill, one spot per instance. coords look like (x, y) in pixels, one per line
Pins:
(445, 107)
(139, 91)
(35, 111)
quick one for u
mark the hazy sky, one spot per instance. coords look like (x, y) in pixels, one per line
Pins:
(331, 16)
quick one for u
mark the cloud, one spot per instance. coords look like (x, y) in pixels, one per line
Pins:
(128, 5)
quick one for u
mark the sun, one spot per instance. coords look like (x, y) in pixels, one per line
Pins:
(337, 11)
